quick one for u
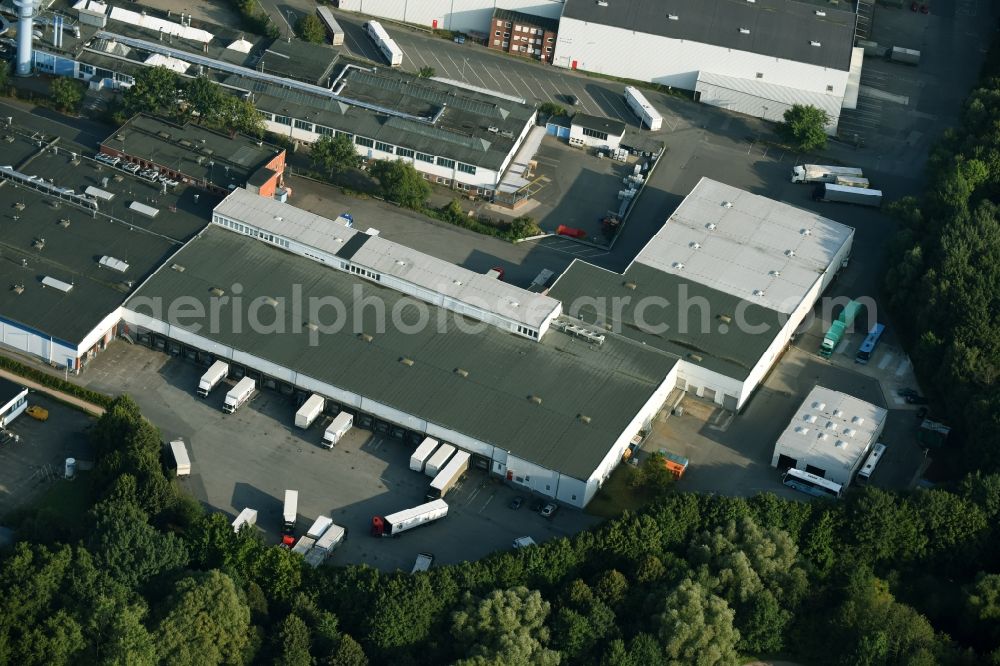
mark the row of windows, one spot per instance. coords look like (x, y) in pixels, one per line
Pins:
(446, 163)
(251, 231)
(530, 332)
(594, 133)
(362, 271)
(364, 141)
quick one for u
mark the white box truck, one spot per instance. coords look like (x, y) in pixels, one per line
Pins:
(319, 526)
(823, 173)
(423, 452)
(448, 476)
(339, 427)
(326, 544)
(401, 521)
(246, 517)
(239, 395)
(309, 411)
(856, 195)
(290, 512)
(212, 377)
(437, 461)
(181, 457)
(304, 545)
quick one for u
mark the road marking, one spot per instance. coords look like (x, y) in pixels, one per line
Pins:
(487, 70)
(903, 367)
(487, 503)
(886, 358)
(513, 88)
(883, 95)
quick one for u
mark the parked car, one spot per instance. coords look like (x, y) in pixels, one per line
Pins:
(549, 510)
(459, 39)
(516, 502)
(37, 413)
(916, 400)
(572, 100)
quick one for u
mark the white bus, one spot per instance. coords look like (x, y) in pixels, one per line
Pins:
(806, 482)
(871, 463)
(385, 43)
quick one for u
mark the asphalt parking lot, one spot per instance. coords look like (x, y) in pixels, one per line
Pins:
(249, 458)
(29, 466)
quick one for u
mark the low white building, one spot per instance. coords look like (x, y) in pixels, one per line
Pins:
(756, 58)
(456, 15)
(830, 435)
(595, 131)
(13, 401)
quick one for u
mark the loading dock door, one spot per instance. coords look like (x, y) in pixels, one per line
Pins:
(730, 402)
(784, 462)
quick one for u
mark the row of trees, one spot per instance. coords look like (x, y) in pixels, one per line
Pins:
(944, 284)
(146, 577)
(161, 91)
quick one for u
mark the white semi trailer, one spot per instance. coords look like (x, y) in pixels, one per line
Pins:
(309, 411)
(823, 173)
(396, 523)
(422, 453)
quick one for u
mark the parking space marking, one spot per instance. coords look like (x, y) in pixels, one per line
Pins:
(903, 367)
(886, 359)
(487, 502)
(487, 70)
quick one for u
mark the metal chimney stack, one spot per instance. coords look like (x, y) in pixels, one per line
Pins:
(25, 14)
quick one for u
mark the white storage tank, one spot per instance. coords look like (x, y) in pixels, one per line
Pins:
(70, 468)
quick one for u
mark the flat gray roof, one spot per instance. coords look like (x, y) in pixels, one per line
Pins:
(778, 28)
(192, 149)
(688, 324)
(610, 383)
(599, 124)
(296, 59)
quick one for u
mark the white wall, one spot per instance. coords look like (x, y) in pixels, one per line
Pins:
(459, 15)
(37, 344)
(598, 48)
(700, 377)
(14, 408)
(577, 137)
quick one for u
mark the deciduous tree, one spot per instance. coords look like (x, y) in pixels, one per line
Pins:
(400, 182)
(310, 29)
(696, 628)
(504, 627)
(804, 127)
(334, 154)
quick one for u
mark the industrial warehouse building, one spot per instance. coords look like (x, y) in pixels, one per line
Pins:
(456, 15)
(757, 58)
(13, 401)
(830, 435)
(722, 287)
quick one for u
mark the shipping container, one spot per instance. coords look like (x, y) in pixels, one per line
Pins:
(309, 411)
(422, 453)
(437, 461)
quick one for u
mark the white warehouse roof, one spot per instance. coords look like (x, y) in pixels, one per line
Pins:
(468, 290)
(746, 245)
(831, 430)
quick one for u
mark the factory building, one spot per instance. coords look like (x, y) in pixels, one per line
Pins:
(757, 58)
(595, 131)
(829, 436)
(471, 16)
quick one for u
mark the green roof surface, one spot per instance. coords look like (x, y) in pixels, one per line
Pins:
(491, 403)
(723, 347)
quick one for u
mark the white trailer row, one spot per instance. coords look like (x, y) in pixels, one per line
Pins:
(385, 44)
(641, 107)
(332, 537)
(449, 476)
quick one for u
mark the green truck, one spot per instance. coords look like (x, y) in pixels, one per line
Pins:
(837, 329)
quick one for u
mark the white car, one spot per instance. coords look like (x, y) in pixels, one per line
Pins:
(524, 542)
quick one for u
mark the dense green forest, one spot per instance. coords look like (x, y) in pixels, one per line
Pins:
(944, 284)
(148, 577)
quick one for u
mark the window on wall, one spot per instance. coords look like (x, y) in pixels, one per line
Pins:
(425, 158)
(467, 168)
(446, 163)
(347, 134)
(404, 152)
(283, 120)
(324, 131)
(384, 147)
(364, 141)
(303, 125)
(597, 135)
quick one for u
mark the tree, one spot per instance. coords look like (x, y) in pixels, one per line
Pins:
(66, 93)
(204, 97)
(804, 127)
(982, 603)
(401, 183)
(310, 29)
(4, 77)
(524, 226)
(696, 628)
(334, 154)
(505, 627)
(653, 477)
(206, 622)
(240, 115)
(551, 109)
(292, 644)
(155, 88)
(348, 653)
(426, 72)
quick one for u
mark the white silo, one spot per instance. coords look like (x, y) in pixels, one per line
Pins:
(70, 470)
(25, 15)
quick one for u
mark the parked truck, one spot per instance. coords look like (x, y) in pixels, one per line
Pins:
(309, 411)
(822, 173)
(290, 512)
(181, 457)
(905, 56)
(422, 453)
(842, 194)
(325, 545)
(212, 377)
(448, 476)
(341, 424)
(239, 395)
(437, 461)
(423, 562)
(304, 545)
(837, 329)
(246, 517)
(319, 526)
(852, 181)
(396, 523)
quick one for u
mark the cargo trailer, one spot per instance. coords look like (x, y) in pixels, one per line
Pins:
(401, 521)
(341, 424)
(239, 395)
(309, 411)
(181, 459)
(448, 476)
(422, 453)
(246, 517)
(437, 461)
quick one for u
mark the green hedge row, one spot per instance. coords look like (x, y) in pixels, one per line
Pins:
(53, 382)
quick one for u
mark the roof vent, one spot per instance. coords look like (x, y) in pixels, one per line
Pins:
(725, 319)
(18, 288)
(806, 232)
(758, 292)
(364, 337)
(821, 436)
(710, 226)
(462, 372)
(819, 405)
(583, 418)
(802, 430)
(39, 244)
(215, 291)
(177, 267)
(841, 444)
(678, 265)
(631, 285)
(813, 42)
(789, 253)
(673, 17)
(809, 418)
(838, 412)
(858, 420)
(602, 3)
(744, 31)
(57, 284)
(64, 222)
(695, 357)
(695, 245)
(850, 432)
(820, 13)
(457, 283)
(774, 273)
(727, 204)
(408, 362)
(534, 398)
